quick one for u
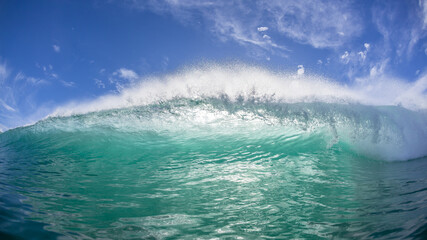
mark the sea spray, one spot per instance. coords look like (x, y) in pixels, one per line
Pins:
(241, 82)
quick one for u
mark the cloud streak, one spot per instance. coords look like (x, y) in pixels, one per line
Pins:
(262, 29)
(246, 21)
(322, 24)
(402, 25)
(17, 92)
(56, 48)
(126, 74)
(4, 73)
(120, 79)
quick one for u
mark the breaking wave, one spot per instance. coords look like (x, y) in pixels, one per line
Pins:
(222, 152)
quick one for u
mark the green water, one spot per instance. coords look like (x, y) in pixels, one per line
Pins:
(207, 169)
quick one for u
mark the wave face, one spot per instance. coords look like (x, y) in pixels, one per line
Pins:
(164, 160)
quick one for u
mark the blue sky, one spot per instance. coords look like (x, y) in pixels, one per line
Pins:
(53, 52)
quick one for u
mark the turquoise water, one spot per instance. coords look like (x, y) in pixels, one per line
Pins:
(215, 168)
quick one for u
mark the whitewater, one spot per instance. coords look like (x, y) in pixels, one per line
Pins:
(223, 151)
(384, 119)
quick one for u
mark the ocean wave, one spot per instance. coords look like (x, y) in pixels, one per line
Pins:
(251, 104)
(379, 132)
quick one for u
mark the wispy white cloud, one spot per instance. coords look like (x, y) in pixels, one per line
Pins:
(367, 46)
(51, 75)
(121, 79)
(99, 83)
(379, 68)
(16, 94)
(402, 25)
(345, 58)
(56, 48)
(228, 26)
(19, 76)
(35, 81)
(318, 23)
(7, 107)
(423, 5)
(358, 61)
(21, 79)
(67, 83)
(165, 62)
(4, 72)
(355, 57)
(262, 29)
(126, 74)
(363, 54)
(303, 21)
(223, 18)
(54, 77)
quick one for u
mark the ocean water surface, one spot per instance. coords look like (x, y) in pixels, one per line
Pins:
(218, 159)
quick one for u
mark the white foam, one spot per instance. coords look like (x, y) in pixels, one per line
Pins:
(241, 81)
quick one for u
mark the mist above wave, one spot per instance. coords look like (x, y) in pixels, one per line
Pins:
(243, 82)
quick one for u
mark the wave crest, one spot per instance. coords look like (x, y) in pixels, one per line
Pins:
(237, 82)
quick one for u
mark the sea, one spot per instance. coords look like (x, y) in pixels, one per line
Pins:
(219, 154)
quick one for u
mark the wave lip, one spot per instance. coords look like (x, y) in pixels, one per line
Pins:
(237, 81)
